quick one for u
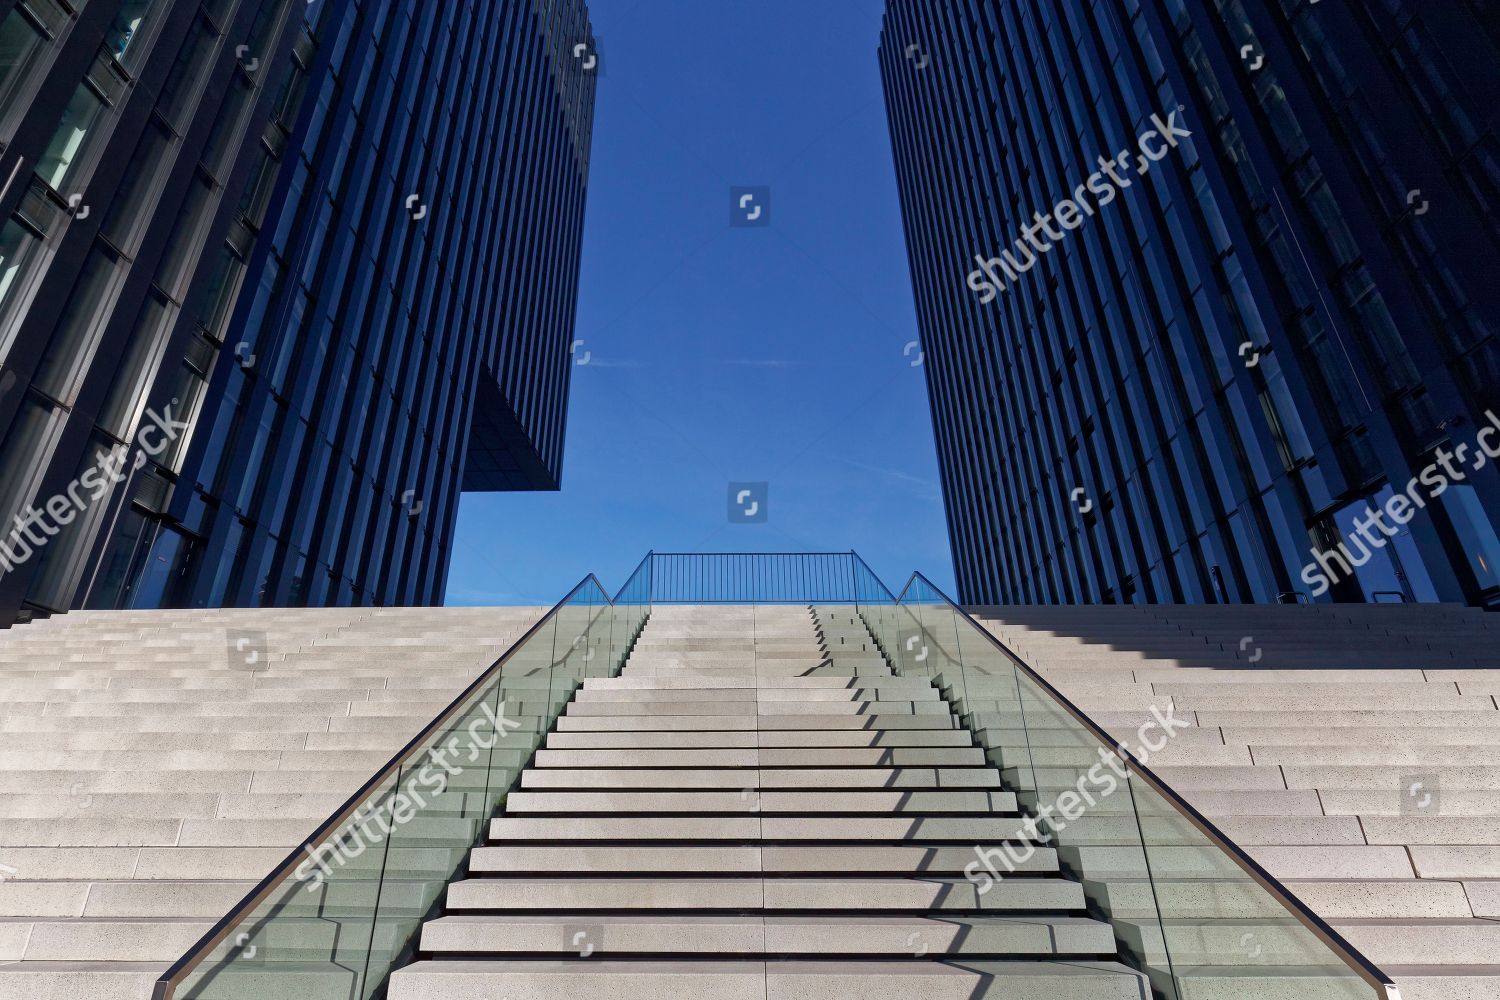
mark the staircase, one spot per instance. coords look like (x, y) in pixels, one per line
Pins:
(757, 808)
(155, 765)
(1352, 750)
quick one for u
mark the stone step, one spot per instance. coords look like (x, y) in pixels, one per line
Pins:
(783, 936)
(752, 980)
(752, 709)
(766, 757)
(912, 895)
(745, 739)
(752, 829)
(1399, 802)
(868, 860)
(638, 696)
(1356, 721)
(93, 980)
(728, 723)
(773, 673)
(760, 801)
(763, 779)
(634, 681)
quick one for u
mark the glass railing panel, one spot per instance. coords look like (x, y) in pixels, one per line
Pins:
(445, 798)
(312, 932)
(631, 606)
(335, 922)
(876, 607)
(1081, 794)
(526, 679)
(580, 624)
(1188, 909)
(1221, 929)
(929, 640)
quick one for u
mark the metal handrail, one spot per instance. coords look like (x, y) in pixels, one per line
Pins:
(648, 558)
(750, 577)
(845, 552)
(1351, 956)
(875, 576)
(167, 983)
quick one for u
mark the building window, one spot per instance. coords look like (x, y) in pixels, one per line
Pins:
(219, 156)
(20, 248)
(70, 352)
(1476, 533)
(23, 460)
(125, 36)
(70, 141)
(17, 245)
(186, 241)
(25, 34)
(145, 176)
(138, 368)
(63, 561)
(184, 83)
(188, 386)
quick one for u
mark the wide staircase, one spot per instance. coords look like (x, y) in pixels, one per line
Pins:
(756, 807)
(1352, 750)
(740, 775)
(155, 765)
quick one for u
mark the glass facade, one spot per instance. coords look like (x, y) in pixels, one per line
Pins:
(279, 279)
(1198, 379)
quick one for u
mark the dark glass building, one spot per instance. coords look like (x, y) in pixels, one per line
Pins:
(1208, 293)
(278, 280)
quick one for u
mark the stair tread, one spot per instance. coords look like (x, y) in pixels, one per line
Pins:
(582, 979)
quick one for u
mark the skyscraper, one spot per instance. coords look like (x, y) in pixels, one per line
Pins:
(280, 279)
(1207, 293)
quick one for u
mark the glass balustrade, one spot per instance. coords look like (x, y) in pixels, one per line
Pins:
(337, 917)
(1189, 908)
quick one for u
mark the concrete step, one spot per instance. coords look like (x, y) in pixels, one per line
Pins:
(776, 757)
(752, 709)
(760, 801)
(635, 681)
(752, 829)
(774, 698)
(730, 723)
(912, 895)
(749, 694)
(69, 980)
(763, 779)
(745, 739)
(866, 860)
(754, 936)
(753, 980)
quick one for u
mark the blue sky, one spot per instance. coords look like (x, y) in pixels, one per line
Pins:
(718, 354)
